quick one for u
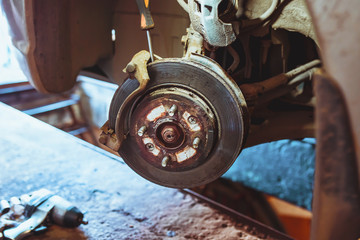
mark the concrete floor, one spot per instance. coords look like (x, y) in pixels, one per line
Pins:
(119, 203)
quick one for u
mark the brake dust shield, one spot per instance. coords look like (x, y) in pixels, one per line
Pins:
(187, 127)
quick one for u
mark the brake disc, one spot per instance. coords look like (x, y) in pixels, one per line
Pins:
(188, 126)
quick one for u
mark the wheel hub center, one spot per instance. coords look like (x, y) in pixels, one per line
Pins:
(178, 125)
(170, 134)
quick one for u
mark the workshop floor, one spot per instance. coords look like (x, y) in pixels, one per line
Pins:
(273, 212)
(119, 203)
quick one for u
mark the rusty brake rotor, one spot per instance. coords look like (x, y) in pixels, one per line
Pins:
(187, 127)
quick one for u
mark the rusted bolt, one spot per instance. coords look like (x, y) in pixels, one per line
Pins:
(172, 110)
(130, 68)
(150, 146)
(192, 120)
(142, 130)
(196, 142)
(165, 161)
(170, 134)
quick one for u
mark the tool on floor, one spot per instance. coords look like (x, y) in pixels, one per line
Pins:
(36, 211)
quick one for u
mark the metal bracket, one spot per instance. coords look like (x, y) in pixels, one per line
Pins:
(108, 137)
(193, 42)
(136, 68)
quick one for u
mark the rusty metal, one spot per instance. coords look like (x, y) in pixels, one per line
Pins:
(336, 25)
(254, 90)
(139, 62)
(191, 136)
(290, 89)
(337, 180)
(108, 137)
(336, 203)
(276, 125)
(173, 136)
(226, 80)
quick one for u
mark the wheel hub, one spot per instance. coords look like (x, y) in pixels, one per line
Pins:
(187, 126)
(171, 135)
(177, 124)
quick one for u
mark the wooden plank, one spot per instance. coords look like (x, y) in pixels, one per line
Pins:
(119, 203)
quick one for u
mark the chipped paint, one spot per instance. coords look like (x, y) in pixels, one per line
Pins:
(156, 113)
(185, 154)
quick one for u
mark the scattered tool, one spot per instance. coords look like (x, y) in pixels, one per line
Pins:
(35, 212)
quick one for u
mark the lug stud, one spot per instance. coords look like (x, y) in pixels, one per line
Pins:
(165, 161)
(172, 110)
(196, 142)
(142, 130)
